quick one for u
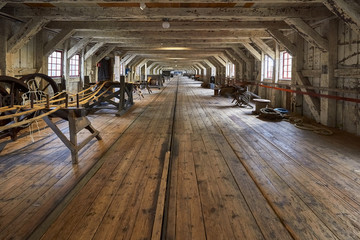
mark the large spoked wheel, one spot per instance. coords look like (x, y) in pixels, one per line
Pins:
(39, 82)
(11, 90)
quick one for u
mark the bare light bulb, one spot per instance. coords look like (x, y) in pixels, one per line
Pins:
(142, 5)
(165, 24)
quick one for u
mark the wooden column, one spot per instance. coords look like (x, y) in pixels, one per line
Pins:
(40, 63)
(275, 94)
(122, 95)
(312, 102)
(328, 66)
(3, 50)
(297, 65)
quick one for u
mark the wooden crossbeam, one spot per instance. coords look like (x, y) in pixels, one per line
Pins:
(220, 60)
(127, 61)
(58, 40)
(264, 47)
(308, 33)
(174, 41)
(173, 34)
(93, 50)
(105, 52)
(78, 47)
(242, 55)
(232, 56)
(348, 11)
(313, 103)
(283, 40)
(155, 26)
(92, 13)
(25, 33)
(252, 50)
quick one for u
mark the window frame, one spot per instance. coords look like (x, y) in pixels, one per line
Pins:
(53, 61)
(76, 64)
(285, 65)
(268, 67)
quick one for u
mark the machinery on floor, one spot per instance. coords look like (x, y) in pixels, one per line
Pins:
(36, 96)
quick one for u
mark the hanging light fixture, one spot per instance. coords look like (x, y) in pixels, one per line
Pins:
(165, 23)
(142, 5)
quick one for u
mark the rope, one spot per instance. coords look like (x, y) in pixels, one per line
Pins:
(298, 122)
(40, 105)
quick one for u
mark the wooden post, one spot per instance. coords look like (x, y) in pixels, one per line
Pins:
(297, 65)
(66, 100)
(77, 101)
(1, 100)
(122, 95)
(73, 136)
(328, 62)
(47, 101)
(3, 49)
(32, 100)
(12, 100)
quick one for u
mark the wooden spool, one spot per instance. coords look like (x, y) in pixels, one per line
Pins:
(259, 104)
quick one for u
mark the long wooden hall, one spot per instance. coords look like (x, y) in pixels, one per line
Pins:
(191, 165)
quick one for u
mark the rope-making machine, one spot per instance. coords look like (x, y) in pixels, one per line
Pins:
(36, 96)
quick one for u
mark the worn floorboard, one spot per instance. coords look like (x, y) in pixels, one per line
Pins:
(232, 176)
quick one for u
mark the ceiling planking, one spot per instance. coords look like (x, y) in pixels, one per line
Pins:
(202, 25)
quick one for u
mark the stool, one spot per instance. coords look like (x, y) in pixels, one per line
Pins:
(259, 104)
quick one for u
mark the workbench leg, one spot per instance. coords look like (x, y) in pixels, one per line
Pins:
(122, 95)
(73, 137)
(92, 130)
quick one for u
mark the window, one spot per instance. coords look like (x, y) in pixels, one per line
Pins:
(55, 64)
(122, 71)
(74, 66)
(230, 70)
(268, 67)
(285, 65)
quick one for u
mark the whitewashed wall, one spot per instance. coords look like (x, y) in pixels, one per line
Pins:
(348, 114)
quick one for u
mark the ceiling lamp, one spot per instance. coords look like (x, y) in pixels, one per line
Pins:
(142, 5)
(165, 23)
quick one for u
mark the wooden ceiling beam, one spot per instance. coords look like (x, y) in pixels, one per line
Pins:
(183, 14)
(220, 60)
(93, 50)
(78, 47)
(137, 42)
(156, 26)
(25, 33)
(2, 5)
(241, 54)
(127, 61)
(308, 33)
(348, 11)
(179, 55)
(252, 50)
(208, 34)
(161, 45)
(185, 51)
(264, 47)
(104, 53)
(283, 40)
(59, 39)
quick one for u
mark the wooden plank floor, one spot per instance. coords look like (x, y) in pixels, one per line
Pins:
(35, 176)
(232, 176)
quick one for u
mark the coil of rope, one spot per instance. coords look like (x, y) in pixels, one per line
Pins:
(299, 123)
